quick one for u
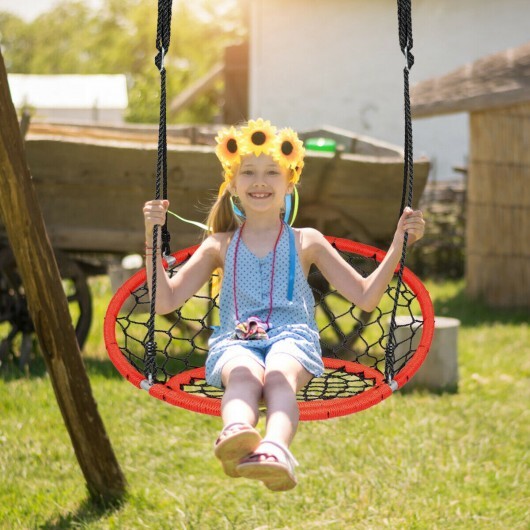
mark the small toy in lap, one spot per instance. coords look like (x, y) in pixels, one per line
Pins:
(252, 329)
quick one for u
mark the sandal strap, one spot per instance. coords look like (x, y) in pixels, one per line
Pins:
(236, 423)
(230, 426)
(288, 455)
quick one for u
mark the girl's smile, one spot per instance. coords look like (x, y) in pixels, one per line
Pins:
(259, 195)
(261, 183)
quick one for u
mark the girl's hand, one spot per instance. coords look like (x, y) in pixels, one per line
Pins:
(411, 221)
(154, 214)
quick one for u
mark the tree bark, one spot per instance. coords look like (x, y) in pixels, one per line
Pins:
(48, 308)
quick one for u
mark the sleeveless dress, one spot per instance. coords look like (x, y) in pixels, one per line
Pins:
(293, 328)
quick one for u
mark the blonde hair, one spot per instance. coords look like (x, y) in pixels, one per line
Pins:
(221, 217)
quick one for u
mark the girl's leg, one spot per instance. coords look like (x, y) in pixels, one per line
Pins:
(242, 378)
(284, 376)
(272, 462)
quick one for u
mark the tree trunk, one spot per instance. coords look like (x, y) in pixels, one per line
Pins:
(48, 308)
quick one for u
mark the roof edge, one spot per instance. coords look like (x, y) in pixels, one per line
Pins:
(498, 80)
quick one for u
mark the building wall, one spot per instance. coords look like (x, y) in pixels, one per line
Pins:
(89, 116)
(338, 63)
(92, 116)
(96, 98)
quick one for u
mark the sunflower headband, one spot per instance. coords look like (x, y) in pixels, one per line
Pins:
(259, 137)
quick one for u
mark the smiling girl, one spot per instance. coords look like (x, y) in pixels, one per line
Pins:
(267, 345)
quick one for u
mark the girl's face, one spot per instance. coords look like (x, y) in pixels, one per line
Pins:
(261, 184)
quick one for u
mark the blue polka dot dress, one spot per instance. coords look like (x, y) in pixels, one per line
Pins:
(293, 328)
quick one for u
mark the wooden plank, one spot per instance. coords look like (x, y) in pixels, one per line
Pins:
(126, 241)
(236, 90)
(48, 308)
(498, 80)
(203, 134)
(87, 185)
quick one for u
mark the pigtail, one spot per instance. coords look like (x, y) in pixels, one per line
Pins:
(222, 217)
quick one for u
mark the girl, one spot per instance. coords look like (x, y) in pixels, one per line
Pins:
(267, 345)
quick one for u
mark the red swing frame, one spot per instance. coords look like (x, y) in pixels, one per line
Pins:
(171, 392)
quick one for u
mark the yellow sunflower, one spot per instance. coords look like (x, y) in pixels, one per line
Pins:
(257, 137)
(228, 147)
(289, 150)
(297, 172)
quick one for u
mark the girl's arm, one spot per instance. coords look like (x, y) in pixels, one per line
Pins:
(171, 293)
(364, 292)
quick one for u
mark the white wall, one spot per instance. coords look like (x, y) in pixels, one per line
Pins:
(75, 97)
(89, 116)
(338, 62)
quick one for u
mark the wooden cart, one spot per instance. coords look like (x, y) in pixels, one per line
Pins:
(93, 181)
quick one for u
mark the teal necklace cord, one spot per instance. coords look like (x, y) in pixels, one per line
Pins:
(195, 223)
(288, 207)
(239, 213)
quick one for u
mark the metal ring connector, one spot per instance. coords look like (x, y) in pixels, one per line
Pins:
(162, 56)
(409, 58)
(170, 260)
(145, 385)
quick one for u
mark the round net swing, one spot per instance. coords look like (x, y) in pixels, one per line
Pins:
(354, 343)
(364, 360)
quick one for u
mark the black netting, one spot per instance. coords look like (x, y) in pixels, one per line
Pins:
(346, 332)
(334, 383)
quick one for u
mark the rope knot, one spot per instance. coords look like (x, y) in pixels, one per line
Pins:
(390, 357)
(166, 240)
(150, 349)
(150, 361)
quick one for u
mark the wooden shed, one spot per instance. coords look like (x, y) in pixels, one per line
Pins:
(495, 91)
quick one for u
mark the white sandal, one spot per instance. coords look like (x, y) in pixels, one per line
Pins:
(276, 471)
(231, 448)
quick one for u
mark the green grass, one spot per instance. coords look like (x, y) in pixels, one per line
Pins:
(416, 461)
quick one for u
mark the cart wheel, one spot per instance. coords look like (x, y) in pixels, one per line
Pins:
(14, 314)
(343, 343)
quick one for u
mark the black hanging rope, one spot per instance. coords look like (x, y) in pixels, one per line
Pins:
(405, 43)
(163, 38)
(162, 45)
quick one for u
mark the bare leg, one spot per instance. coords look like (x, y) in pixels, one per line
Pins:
(284, 376)
(243, 381)
(272, 462)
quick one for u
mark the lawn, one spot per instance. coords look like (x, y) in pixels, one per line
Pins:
(416, 461)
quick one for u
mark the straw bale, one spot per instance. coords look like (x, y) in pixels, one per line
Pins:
(498, 218)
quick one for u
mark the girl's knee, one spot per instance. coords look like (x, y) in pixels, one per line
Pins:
(284, 369)
(278, 379)
(242, 370)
